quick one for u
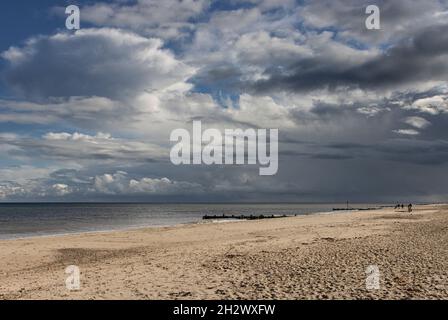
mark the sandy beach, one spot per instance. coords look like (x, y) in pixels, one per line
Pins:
(321, 256)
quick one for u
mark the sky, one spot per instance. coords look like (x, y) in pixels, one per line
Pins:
(87, 115)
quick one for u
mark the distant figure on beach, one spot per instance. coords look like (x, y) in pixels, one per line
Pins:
(410, 208)
(402, 206)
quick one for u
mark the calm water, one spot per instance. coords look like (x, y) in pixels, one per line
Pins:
(27, 220)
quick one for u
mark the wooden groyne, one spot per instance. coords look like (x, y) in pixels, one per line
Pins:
(243, 217)
(357, 209)
(348, 208)
(259, 217)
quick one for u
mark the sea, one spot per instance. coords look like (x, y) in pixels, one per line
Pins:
(47, 219)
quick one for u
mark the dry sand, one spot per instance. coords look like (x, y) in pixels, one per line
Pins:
(306, 257)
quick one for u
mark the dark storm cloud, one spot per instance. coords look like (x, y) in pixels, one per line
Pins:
(414, 60)
(399, 18)
(420, 152)
(413, 151)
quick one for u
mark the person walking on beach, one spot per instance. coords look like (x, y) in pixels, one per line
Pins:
(410, 208)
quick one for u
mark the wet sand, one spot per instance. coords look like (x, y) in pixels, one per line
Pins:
(322, 256)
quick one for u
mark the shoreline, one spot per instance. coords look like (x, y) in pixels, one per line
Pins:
(124, 229)
(211, 221)
(200, 221)
(315, 256)
(79, 233)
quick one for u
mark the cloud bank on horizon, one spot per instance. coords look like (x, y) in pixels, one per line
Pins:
(362, 114)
